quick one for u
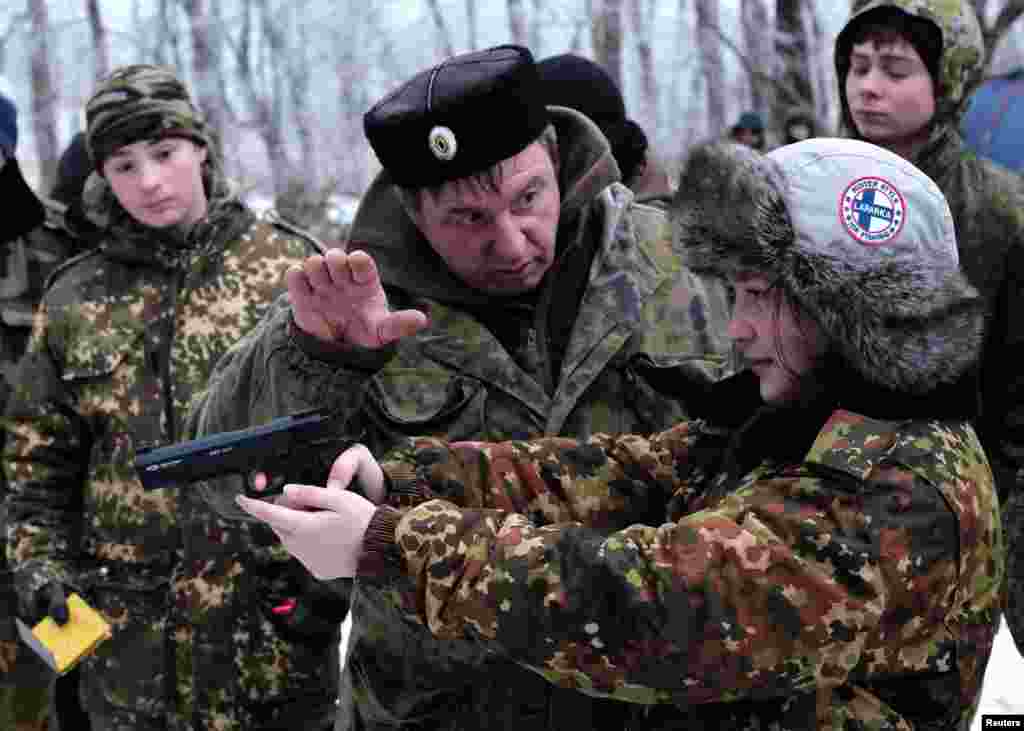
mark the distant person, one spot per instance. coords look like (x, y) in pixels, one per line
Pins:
(576, 82)
(73, 170)
(798, 127)
(749, 131)
(33, 242)
(903, 70)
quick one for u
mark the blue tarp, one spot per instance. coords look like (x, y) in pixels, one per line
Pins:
(993, 125)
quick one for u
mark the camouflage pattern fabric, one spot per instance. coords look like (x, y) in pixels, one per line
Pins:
(126, 337)
(853, 589)
(25, 682)
(987, 203)
(646, 333)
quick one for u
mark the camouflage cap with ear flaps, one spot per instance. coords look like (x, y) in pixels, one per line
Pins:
(140, 102)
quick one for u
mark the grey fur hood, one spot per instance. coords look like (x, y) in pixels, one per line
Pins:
(861, 239)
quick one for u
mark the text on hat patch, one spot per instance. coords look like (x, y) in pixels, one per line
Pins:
(872, 210)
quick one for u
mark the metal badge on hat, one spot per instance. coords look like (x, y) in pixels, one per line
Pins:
(442, 143)
(872, 211)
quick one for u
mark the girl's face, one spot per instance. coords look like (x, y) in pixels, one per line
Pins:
(780, 344)
(159, 182)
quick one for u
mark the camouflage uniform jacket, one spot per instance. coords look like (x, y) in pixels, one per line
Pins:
(125, 338)
(851, 586)
(644, 329)
(987, 203)
(28, 259)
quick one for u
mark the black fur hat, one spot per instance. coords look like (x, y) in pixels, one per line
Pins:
(861, 239)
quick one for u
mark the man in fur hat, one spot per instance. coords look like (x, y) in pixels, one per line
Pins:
(905, 68)
(499, 282)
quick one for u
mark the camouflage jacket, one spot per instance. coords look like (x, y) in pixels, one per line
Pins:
(125, 338)
(41, 243)
(643, 331)
(987, 203)
(853, 587)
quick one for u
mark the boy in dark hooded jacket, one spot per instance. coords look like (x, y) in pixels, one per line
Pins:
(905, 68)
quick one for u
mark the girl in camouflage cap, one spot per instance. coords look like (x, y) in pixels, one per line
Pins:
(126, 339)
(820, 551)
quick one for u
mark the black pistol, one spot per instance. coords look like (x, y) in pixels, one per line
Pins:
(296, 448)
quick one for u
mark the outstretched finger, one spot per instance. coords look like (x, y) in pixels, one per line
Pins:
(400, 324)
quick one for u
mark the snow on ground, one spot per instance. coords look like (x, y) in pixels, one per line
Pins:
(1002, 693)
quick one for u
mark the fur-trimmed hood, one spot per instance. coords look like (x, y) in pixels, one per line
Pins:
(862, 240)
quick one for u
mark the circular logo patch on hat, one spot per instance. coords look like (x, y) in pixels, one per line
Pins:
(442, 143)
(872, 210)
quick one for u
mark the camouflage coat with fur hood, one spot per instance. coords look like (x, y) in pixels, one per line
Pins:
(126, 336)
(987, 202)
(631, 329)
(828, 564)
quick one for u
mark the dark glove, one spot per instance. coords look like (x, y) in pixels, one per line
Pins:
(52, 601)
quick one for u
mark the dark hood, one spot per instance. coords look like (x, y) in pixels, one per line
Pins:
(407, 262)
(963, 53)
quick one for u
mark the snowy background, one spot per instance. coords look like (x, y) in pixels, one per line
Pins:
(1004, 679)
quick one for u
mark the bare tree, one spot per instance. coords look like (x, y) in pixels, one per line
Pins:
(44, 95)
(5, 37)
(606, 37)
(822, 72)
(205, 61)
(444, 36)
(167, 50)
(757, 48)
(258, 52)
(471, 24)
(711, 61)
(580, 25)
(536, 18)
(642, 13)
(300, 76)
(517, 21)
(100, 45)
(791, 48)
(993, 32)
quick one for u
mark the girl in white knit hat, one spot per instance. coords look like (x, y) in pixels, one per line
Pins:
(821, 550)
